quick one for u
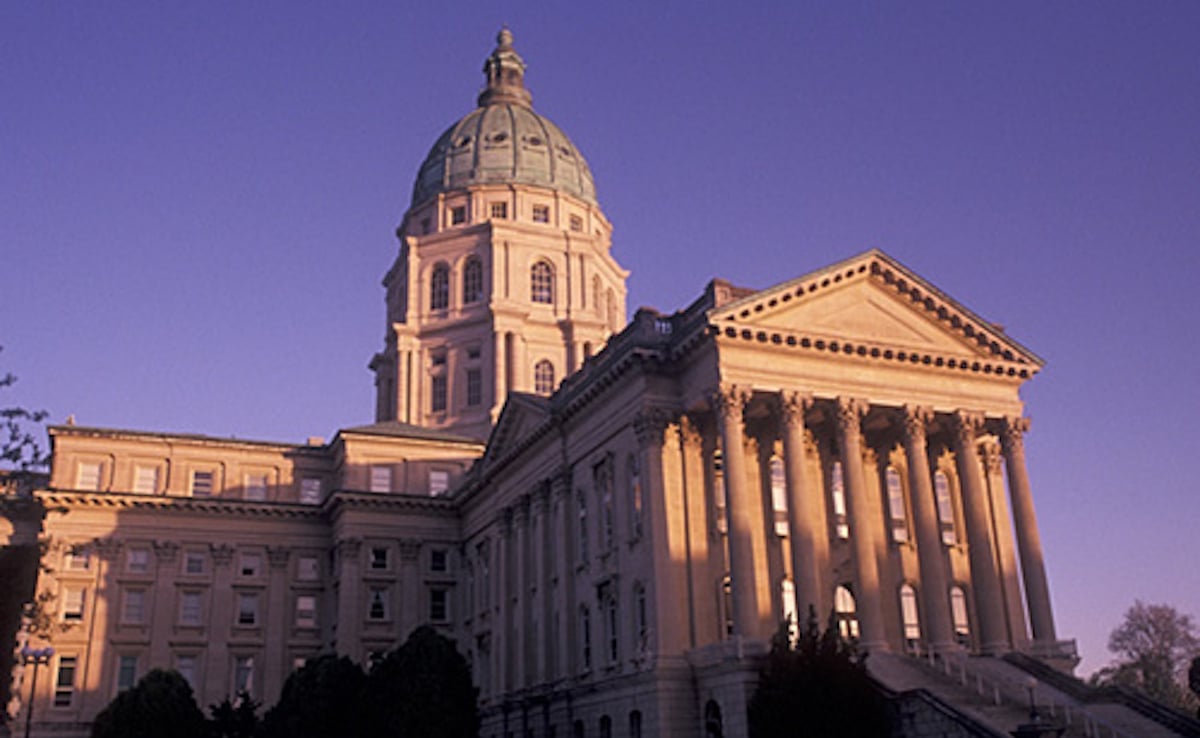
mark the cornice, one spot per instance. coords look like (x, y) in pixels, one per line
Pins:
(73, 500)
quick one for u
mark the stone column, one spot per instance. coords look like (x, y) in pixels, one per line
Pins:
(938, 630)
(220, 622)
(350, 603)
(805, 522)
(520, 590)
(564, 562)
(276, 620)
(862, 528)
(162, 622)
(729, 402)
(664, 528)
(701, 615)
(544, 555)
(1029, 542)
(410, 614)
(985, 579)
(1002, 533)
(503, 584)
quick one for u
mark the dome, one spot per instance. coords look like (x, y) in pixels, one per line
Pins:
(504, 141)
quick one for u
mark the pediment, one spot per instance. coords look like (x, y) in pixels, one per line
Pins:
(873, 301)
(521, 415)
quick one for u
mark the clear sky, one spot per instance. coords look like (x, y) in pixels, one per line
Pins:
(197, 204)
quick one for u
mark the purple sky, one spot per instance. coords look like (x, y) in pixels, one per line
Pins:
(197, 203)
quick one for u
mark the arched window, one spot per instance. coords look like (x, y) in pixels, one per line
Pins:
(472, 280)
(635, 496)
(541, 283)
(439, 287)
(945, 508)
(605, 726)
(779, 501)
(958, 613)
(713, 726)
(641, 627)
(846, 612)
(597, 293)
(727, 605)
(543, 377)
(635, 724)
(896, 511)
(581, 505)
(718, 470)
(909, 616)
(837, 489)
(787, 595)
(577, 729)
(612, 620)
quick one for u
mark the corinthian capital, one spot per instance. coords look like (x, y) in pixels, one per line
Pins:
(915, 420)
(729, 400)
(966, 427)
(989, 452)
(650, 424)
(793, 406)
(1012, 433)
(850, 411)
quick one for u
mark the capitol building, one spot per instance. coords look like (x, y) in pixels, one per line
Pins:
(610, 517)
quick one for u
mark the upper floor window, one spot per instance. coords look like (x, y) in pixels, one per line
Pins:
(145, 480)
(472, 280)
(64, 681)
(310, 490)
(945, 508)
(137, 560)
(585, 638)
(87, 476)
(381, 479)
(499, 210)
(438, 391)
(958, 614)
(779, 496)
(896, 512)
(191, 608)
(576, 223)
(439, 482)
(541, 213)
(458, 215)
(541, 283)
(306, 611)
(308, 568)
(602, 478)
(635, 497)
(543, 377)
(837, 489)
(718, 472)
(202, 484)
(72, 604)
(474, 387)
(255, 488)
(439, 287)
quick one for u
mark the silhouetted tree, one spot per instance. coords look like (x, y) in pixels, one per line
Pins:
(20, 433)
(318, 700)
(1153, 644)
(234, 718)
(160, 705)
(817, 687)
(1194, 682)
(421, 690)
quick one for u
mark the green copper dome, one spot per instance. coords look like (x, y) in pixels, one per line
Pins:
(504, 141)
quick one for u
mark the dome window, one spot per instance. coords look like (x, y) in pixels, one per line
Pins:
(472, 281)
(458, 215)
(439, 288)
(463, 142)
(500, 137)
(541, 213)
(534, 141)
(541, 283)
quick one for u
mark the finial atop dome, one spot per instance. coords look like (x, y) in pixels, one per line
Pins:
(505, 73)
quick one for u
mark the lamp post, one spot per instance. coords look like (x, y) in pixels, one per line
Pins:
(37, 657)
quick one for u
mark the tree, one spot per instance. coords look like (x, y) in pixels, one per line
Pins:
(234, 718)
(159, 705)
(1153, 645)
(320, 699)
(817, 686)
(421, 690)
(1194, 682)
(20, 445)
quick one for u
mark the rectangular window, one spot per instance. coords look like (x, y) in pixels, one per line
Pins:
(439, 560)
(310, 491)
(306, 611)
(779, 496)
(191, 608)
(541, 213)
(254, 487)
(202, 484)
(64, 681)
(247, 609)
(439, 482)
(306, 569)
(838, 489)
(193, 562)
(185, 664)
(87, 477)
(473, 353)
(137, 561)
(377, 604)
(250, 565)
(72, 608)
(133, 611)
(474, 387)
(379, 558)
(145, 480)
(437, 398)
(381, 479)
(458, 214)
(896, 509)
(945, 508)
(499, 210)
(439, 609)
(576, 223)
(77, 560)
(603, 478)
(243, 675)
(126, 672)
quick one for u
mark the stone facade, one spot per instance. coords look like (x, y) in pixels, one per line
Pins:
(615, 556)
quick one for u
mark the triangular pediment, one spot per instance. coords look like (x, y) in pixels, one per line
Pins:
(521, 415)
(872, 301)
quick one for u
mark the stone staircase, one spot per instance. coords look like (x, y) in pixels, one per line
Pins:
(994, 693)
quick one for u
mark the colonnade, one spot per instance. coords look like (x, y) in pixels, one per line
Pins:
(841, 421)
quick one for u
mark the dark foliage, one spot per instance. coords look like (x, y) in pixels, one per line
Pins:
(818, 687)
(161, 705)
(234, 718)
(20, 434)
(318, 700)
(1194, 681)
(421, 690)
